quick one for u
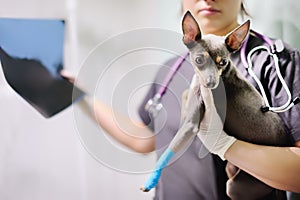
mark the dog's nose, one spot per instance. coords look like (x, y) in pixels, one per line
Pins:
(211, 82)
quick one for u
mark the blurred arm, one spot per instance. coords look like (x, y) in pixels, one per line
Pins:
(132, 134)
(135, 135)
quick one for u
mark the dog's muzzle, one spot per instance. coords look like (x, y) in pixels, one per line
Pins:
(211, 82)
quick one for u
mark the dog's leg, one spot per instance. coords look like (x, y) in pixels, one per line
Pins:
(193, 110)
(184, 135)
(187, 97)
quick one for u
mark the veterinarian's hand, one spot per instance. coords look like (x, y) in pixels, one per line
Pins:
(211, 127)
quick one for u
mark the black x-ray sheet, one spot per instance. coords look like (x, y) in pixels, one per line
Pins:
(31, 53)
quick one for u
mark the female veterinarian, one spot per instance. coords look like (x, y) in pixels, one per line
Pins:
(192, 177)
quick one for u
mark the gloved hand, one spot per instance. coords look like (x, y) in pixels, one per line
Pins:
(211, 127)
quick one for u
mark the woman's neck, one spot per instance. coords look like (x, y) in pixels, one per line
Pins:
(222, 31)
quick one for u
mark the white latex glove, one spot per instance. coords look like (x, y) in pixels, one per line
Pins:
(211, 127)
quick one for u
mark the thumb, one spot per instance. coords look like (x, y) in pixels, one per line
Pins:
(67, 75)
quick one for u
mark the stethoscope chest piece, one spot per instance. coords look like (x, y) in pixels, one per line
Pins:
(153, 106)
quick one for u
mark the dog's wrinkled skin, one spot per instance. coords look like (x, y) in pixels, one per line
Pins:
(244, 120)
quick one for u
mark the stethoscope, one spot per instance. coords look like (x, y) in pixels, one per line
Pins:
(154, 105)
(273, 49)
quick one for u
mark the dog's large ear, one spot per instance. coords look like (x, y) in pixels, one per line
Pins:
(234, 40)
(191, 30)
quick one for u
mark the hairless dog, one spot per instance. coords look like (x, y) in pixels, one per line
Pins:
(243, 117)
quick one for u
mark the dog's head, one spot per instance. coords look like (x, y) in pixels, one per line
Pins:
(210, 53)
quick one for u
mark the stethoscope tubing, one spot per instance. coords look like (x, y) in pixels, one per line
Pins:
(171, 74)
(248, 64)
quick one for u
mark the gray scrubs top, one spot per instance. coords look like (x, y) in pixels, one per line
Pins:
(195, 177)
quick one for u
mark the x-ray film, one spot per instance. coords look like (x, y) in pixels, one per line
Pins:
(31, 53)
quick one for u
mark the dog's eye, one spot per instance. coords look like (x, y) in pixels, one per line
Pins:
(223, 62)
(200, 60)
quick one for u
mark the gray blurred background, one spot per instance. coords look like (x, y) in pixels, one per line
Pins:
(45, 159)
